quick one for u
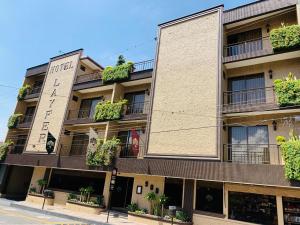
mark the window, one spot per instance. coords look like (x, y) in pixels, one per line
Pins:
(255, 208)
(128, 150)
(135, 102)
(209, 197)
(249, 144)
(291, 210)
(247, 90)
(20, 144)
(74, 180)
(244, 42)
(79, 144)
(29, 114)
(37, 86)
(87, 107)
(173, 190)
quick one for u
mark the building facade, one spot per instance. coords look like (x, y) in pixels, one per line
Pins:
(200, 122)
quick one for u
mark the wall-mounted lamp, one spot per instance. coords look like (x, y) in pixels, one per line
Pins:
(274, 123)
(147, 92)
(268, 28)
(224, 126)
(114, 171)
(270, 74)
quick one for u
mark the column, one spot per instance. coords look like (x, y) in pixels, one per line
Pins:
(279, 210)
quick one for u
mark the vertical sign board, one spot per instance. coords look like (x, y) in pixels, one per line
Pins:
(53, 104)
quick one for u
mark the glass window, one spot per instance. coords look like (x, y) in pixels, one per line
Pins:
(74, 180)
(291, 211)
(255, 208)
(247, 90)
(209, 197)
(135, 102)
(249, 144)
(173, 190)
(79, 144)
(20, 144)
(29, 114)
(127, 143)
(87, 107)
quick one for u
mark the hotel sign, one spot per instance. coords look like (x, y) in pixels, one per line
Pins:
(53, 104)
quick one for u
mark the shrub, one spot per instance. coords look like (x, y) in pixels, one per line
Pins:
(42, 183)
(72, 196)
(109, 111)
(132, 207)
(287, 90)
(290, 150)
(117, 73)
(14, 120)
(285, 37)
(49, 193)
(23, 91)
(100, 200)
(4, 148)
(32, 190)
(182, 216)
(121, 60)
(104, 153)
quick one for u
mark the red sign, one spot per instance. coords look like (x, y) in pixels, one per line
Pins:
(135, 142)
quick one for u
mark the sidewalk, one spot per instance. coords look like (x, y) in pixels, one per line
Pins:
(115, 218)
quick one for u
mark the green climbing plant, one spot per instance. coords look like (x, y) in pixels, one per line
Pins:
(117, 73)
(285, 37)
(4, 148)
(109, 111)
(23, 91)
(13, 120)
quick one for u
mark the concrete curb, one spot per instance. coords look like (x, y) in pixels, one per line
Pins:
(80, 219)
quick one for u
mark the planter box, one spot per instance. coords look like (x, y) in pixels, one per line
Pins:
(152, 220)
(77, 207)
(39, 199)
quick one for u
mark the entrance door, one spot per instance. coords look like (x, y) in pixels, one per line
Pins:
(121, 197)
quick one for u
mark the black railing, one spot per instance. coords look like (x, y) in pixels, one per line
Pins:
(247, 46)
(145, 65)
(252, 153)
(245, 99)
(137, 108)
(137, 67)
(131, 151)
(88, 77)
(80, 114)
(25, 121)
(36, 90)
(17, 149)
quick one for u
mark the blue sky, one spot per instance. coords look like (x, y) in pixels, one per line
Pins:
(33, 31)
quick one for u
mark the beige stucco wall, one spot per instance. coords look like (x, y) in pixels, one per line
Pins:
(38, 173)
(53, 102)
(139, 180)
(186, 83)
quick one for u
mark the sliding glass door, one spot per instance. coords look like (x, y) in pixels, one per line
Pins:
(249, 144)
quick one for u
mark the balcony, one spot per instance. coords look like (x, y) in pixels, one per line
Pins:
(136, 111)
(131, 151)
(81, 116)
(34, 93)
(252, 154)
(25, 122)
(248, 49)
(141, 70)
(249, 100)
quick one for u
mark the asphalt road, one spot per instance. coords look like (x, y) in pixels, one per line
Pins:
(10, 215)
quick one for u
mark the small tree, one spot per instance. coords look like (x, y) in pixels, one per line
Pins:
(42, 183)
(162, 199)
(121, 60)
(151, 197)
(82, 192)
(88, 191)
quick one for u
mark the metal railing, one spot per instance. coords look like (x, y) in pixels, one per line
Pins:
(137, 108)
(137, 67)
(245, 99)
(17, 149)
(35, 90)
(252, 153)
(145, 65)
(25, 121)
(247, 46)
(80, 114)
(131, 151)
(88, 77)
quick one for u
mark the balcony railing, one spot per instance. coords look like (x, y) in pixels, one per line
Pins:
(34, 92)
(249, 100)
(138, 67)
(252, 153)
(248, 49)
(137, 108)
(131, 151)
(88, 77)
(25, 121)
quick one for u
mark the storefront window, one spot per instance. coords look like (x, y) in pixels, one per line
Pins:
(291, 211)
(253, 208)
(209, 197)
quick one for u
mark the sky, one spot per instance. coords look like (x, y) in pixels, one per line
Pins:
(34, 31)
